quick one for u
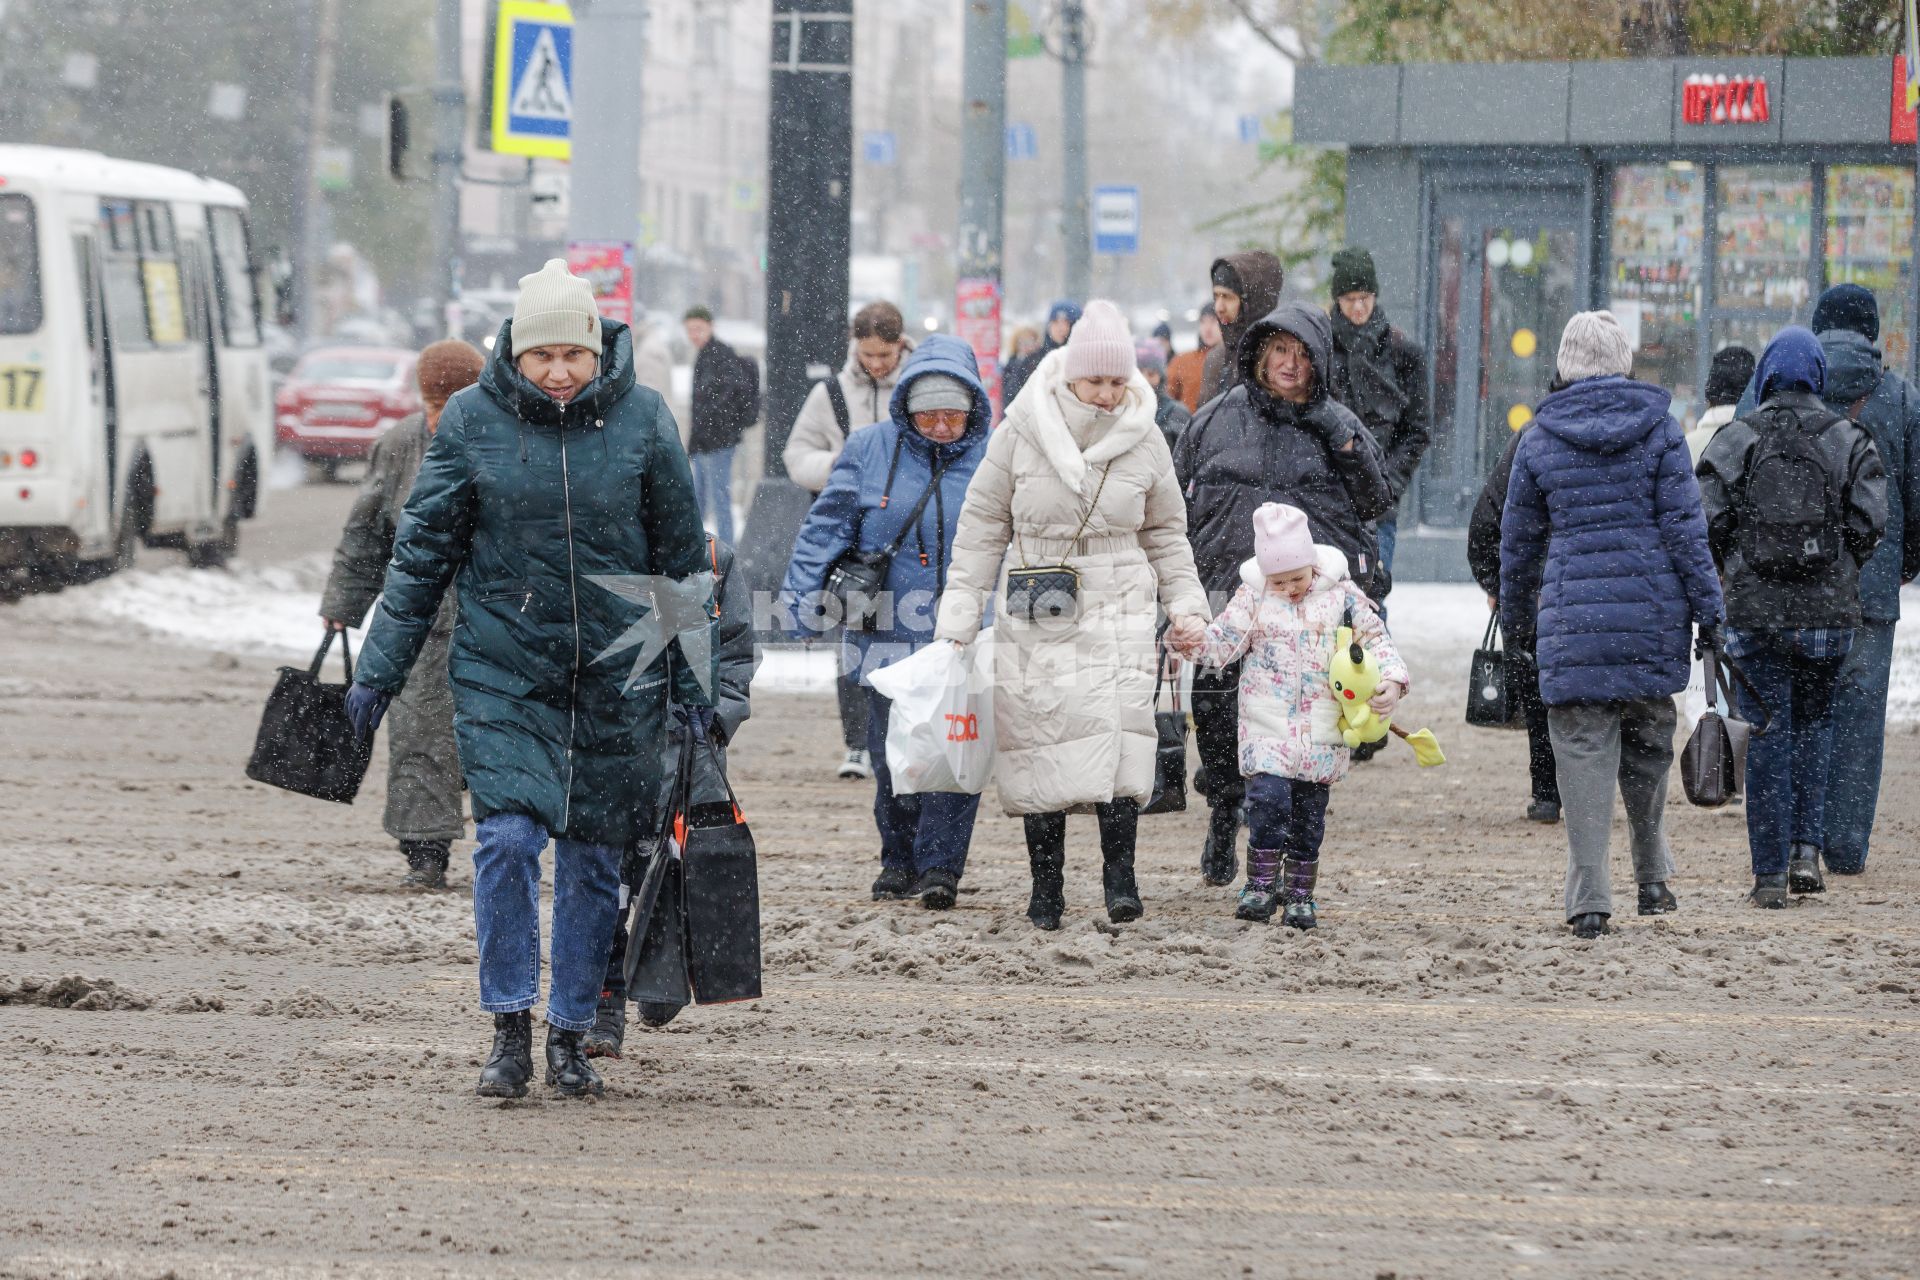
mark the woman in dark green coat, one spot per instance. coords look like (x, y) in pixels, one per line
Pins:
(557, 501)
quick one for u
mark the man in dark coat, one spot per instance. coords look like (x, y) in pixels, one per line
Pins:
(423, 764)
(1275, 436)
(1603, 557)
(724, 403)
(1246, 287)
(556, 500)
(1792, 554)
(1381, 374)
(737, 658)
(1061, 317)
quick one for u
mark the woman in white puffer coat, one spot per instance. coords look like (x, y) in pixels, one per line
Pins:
(1078, 476)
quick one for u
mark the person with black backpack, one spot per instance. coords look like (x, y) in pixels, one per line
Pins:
(725, 402)
(1796, 503)
(854, 397)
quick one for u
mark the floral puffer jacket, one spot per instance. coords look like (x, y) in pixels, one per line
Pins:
(1288, 718)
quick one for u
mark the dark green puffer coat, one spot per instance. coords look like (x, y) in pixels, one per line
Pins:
(521, 505)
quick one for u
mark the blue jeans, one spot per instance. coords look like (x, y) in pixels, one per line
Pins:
(917, 833)
(1387, 535)
(1859, 742)
(506, 917)
(1794, 674)
(1288, 815)
(713, 490)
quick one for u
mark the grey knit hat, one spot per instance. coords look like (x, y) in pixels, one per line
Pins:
(1593, 345)
(932, 391)
(555, 307)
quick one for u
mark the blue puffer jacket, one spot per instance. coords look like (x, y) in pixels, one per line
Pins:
(1891, 413)
(1603, 545)
(858, 502)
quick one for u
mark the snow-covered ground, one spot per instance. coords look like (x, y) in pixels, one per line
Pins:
(271, 611)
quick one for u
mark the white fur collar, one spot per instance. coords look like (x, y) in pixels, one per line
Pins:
(1038, 411)
(1330, 570)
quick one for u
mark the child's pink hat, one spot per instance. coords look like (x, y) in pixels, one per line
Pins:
(1281, 540)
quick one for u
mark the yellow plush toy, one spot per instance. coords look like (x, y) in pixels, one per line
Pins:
(1355, 675)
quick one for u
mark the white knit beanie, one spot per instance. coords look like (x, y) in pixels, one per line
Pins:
(555, 308)
(1592, 346)
(1101, 345)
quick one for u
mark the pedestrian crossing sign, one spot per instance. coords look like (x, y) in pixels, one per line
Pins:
(531, 99)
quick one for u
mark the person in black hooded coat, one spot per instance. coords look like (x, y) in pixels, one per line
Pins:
(1275, 436)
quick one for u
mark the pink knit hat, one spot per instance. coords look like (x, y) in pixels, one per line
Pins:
(1281, 540)
(1100, 345)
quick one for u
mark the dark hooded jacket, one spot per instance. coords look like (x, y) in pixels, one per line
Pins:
(873, 489)
(1021, 368)
(1860, 386)
(1247, 447)
(1790, 378)
(724, 402)
(547, 520)
(1259, 277)
(1603, 547)
(1381, 374)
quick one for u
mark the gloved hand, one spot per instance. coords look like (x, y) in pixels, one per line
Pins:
(701, 720)
(1330, 427)
(366, 707)
(1708, 640)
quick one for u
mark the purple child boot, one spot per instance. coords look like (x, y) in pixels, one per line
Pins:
(1258, 899)
(1297, 881)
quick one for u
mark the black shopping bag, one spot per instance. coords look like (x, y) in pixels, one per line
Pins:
(696, 922)
(1713, 764)
(306, 742)
(1170, 759)
(1490, 700)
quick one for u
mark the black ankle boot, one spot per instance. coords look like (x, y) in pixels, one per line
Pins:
(1123, 894)
(426, 863)
(1297, 879)
(893, 884)
(1803, 870)
(609, 1032)
(1219, 857)
(1769, 891)
(938, 889)
(510, 1065)
(1260, 897)
(568, 1070)
(1657, 900)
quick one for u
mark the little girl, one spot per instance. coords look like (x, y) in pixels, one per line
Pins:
(1283, 619)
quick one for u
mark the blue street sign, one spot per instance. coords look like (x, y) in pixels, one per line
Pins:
(532, 107)
(1116, 220)
(1022, 144)
(879, 148)
(1251, 129)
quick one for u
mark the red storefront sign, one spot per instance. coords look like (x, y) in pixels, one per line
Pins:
(1707, 100)
(976, 322)
(607, 265)
(1901, 126)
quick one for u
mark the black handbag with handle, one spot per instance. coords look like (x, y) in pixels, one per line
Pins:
(1713, 764)
(1170, 759)
(1051, 592)
(858, 579)
(1490, 700)
(306, 743)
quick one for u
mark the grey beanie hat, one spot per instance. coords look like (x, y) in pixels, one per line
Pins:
(555, 307)
(932, 391)
(1593, 345)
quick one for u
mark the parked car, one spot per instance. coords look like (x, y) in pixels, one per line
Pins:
(339, 400)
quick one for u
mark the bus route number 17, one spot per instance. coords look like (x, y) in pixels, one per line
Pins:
(20, 388)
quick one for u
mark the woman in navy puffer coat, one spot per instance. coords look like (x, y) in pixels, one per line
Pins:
(1603, 556)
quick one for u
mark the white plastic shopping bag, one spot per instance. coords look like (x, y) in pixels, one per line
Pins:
(940, 730)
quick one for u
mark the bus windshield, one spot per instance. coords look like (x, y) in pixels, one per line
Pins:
(19, 266)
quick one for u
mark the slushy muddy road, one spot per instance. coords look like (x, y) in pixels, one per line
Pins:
(233, 1048)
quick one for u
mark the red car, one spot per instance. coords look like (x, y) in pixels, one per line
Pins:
(339, 400)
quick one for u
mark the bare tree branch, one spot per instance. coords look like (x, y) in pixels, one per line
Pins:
(1245, 10)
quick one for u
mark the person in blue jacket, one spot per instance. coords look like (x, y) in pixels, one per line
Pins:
(1604, 557)
(1846, 320)
(930, 445)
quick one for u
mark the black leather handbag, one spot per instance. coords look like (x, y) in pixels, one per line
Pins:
(1490, 700)
(1713, 764)
(858, 579)
(1170, 758)
(306, 743)
(1051, 592)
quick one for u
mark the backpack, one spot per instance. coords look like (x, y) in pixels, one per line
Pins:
(837, 397)
(1790, 518)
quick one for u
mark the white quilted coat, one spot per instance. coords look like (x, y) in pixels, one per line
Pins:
(1073, 702)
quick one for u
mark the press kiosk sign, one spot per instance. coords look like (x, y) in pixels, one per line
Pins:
(1710, 100)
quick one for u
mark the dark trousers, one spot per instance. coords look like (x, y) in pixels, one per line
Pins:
(1216, 731)
(853, 710)
(1545, 775)
(1859, 746)
(1794, 673)
(917, 833)
(1287, 815)
(1119, 832)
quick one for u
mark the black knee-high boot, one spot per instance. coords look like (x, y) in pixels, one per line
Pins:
(1047, 857)
(1119, 833)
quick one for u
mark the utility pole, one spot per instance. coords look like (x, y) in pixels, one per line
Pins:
(318, 228)
(983, 185)
(1073, 164)
(809, 249)
(449, 145)
(609, 43)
